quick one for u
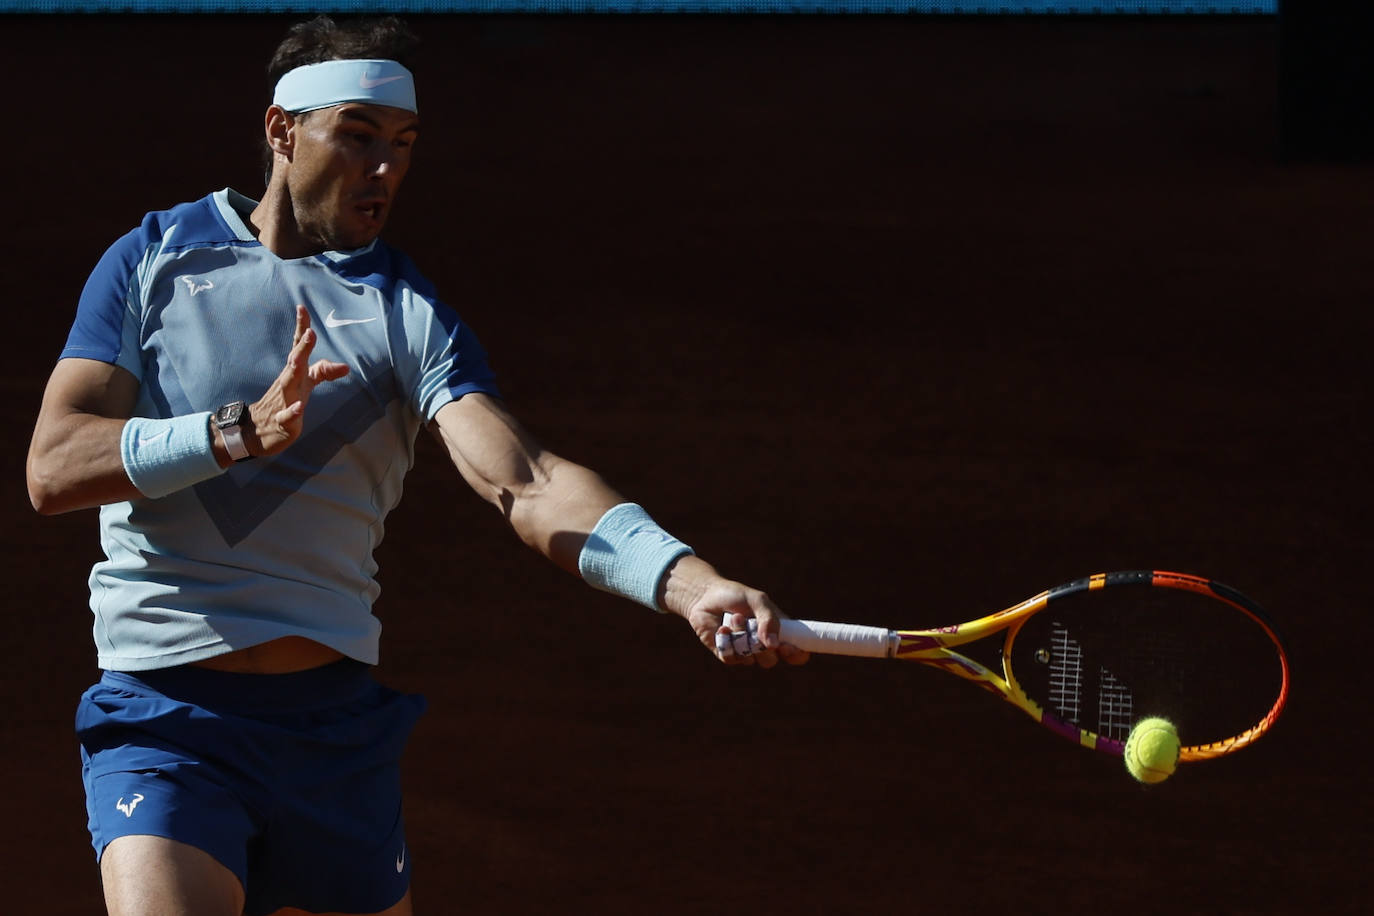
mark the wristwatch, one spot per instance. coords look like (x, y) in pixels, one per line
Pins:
(226, 420)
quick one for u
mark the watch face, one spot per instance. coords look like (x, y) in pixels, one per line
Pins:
(229, 414)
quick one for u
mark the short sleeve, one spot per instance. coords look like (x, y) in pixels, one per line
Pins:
(446, 360)
(106, 324)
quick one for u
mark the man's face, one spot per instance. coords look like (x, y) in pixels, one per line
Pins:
(347, 163)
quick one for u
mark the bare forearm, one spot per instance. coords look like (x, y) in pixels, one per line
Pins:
(74, 463)
(555, 513)
(552, 503)
(74, 460)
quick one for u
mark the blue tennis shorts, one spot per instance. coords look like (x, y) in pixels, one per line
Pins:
(292, 781)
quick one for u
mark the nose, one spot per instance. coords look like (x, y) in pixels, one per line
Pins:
(384, 162)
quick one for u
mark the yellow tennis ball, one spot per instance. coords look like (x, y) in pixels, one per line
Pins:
(1152, 750)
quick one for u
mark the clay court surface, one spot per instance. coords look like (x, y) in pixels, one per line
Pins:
(901, 320)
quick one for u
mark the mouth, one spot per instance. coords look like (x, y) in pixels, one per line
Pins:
(372, 211)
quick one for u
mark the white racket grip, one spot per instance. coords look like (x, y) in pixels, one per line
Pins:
(837, 638)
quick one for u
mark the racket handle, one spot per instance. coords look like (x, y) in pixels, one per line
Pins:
(819, 636)
(839, 638)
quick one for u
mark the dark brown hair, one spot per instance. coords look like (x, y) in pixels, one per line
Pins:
(323, 38)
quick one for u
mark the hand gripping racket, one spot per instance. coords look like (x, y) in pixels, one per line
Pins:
(1089, 658)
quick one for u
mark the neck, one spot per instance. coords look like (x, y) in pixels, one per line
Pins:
(273, 221)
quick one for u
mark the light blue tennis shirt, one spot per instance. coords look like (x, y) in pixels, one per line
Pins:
(202, 314)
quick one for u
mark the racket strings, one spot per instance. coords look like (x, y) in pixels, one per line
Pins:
(1115, 706)
(1065, 660)
(1103, 661)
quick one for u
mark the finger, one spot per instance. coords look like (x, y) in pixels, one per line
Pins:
(739, 647)
(298, 360)
(306, 342)
(746, 643)
(302, 323)
(289, 414)
(792, 655)
(725, 644)
(325, 370)
(769, 618)
(733, 647)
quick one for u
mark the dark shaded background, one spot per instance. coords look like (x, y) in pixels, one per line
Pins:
(900, 319)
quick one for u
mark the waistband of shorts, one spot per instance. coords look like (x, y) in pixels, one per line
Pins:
(300, 691)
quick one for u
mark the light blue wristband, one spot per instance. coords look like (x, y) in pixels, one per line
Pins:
(627, 555)
(163, 456)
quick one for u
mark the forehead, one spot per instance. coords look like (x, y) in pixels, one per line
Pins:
(382, 117)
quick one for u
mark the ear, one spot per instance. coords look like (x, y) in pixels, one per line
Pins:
(280, 128)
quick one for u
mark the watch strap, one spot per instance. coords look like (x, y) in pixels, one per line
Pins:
(233, 441)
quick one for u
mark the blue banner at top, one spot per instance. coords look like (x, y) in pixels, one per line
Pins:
(882, 7)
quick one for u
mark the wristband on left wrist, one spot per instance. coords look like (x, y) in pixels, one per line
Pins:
(162, 456)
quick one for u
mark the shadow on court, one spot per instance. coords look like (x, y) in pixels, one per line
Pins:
(900, 319)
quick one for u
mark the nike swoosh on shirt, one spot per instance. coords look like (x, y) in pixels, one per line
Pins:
(366, 83)
(331, 322)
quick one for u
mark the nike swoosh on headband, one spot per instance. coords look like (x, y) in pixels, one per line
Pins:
(366, 83)
(335, 82)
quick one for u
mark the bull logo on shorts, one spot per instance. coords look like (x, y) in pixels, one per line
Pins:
(129, 808)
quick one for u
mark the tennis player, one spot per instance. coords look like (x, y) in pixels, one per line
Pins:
(240, 395)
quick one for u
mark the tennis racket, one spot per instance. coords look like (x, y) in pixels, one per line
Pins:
(1090, 658)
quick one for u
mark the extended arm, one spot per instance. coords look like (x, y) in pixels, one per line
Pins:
(553, 504)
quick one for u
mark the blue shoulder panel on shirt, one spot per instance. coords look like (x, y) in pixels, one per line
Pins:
(199, 224)
(97, 330)
(382, 267)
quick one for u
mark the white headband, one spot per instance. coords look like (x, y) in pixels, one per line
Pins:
(333, 82)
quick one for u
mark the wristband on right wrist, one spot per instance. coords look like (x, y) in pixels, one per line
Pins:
(627, 554)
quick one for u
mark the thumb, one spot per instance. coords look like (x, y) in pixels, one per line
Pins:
(769, 619)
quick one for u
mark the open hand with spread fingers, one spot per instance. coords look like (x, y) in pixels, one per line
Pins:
(278, 416)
